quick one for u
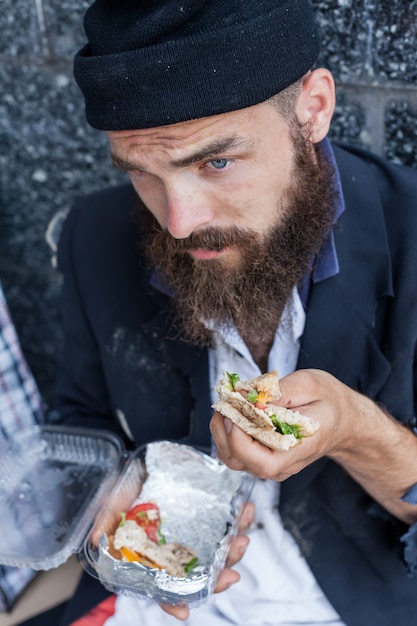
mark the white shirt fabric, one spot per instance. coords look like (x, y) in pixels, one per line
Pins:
(277, 586)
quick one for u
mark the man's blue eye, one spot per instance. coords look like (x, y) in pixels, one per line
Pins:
(219, 164)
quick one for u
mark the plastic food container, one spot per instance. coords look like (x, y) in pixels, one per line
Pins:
(62, 491)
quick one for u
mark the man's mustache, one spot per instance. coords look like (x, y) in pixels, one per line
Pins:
(210, 239)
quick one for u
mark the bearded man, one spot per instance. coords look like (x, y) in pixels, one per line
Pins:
(245, 242)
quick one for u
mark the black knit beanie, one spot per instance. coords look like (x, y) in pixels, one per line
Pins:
(155, 62)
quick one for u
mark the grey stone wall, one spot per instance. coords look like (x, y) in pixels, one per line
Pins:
(371, 48)
(48, 154)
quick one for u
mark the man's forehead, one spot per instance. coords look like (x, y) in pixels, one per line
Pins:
(170, 133)
(185, 142)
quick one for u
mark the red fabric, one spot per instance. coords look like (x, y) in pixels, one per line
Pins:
(99, 615)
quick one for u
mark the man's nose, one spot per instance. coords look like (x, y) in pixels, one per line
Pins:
(188, 210)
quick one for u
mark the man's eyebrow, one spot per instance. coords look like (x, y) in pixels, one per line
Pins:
(121, 164)
(213, 150)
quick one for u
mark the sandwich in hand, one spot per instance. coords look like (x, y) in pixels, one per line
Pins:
(249, 404)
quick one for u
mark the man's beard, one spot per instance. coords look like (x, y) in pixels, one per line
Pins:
(252, 295)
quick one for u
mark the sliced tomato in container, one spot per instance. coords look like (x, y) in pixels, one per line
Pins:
(147, 516)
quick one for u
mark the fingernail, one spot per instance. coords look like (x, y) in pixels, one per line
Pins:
(227, 425)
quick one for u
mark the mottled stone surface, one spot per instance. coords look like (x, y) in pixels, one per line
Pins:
(401, 133)
(18, 28)
(48, 154)
(64, 20)
(369, 39)
(48, 157)
(51, 155)
(349, 123)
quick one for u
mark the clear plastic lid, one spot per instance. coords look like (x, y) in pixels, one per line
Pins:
(53, 481)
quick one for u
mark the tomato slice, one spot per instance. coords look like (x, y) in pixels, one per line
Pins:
(142, 508)
(147, 516)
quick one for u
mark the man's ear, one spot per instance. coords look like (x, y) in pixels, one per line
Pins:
(316, 103)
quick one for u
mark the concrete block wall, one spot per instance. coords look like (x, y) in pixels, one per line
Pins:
(48, 154)
(371, 48)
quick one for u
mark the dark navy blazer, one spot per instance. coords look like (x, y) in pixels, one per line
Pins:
(124, 367)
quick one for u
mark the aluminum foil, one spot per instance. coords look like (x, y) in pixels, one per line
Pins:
(200, 501)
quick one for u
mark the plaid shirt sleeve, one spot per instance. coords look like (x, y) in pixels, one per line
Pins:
(20, 407)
